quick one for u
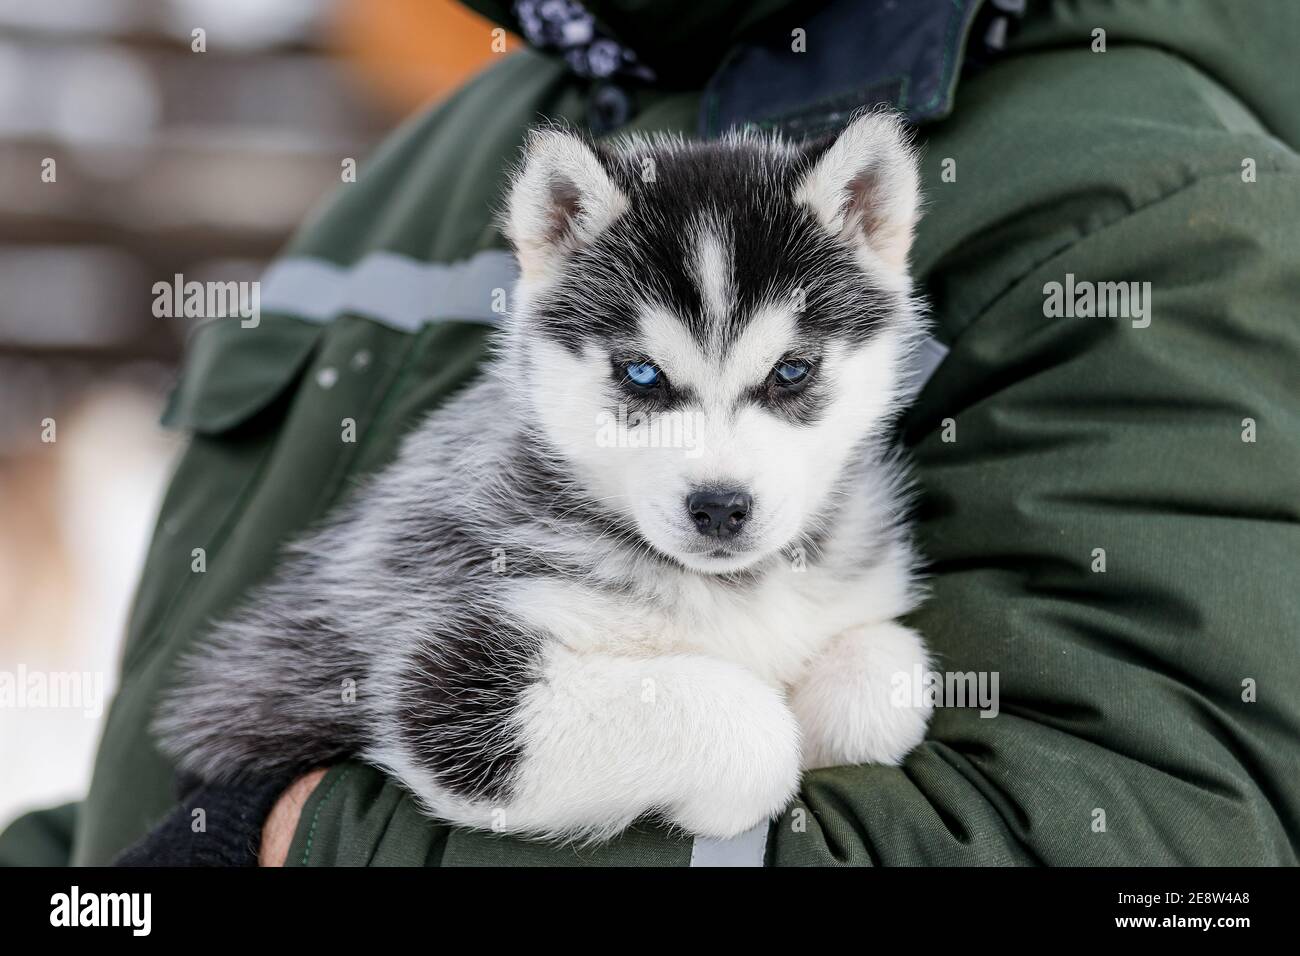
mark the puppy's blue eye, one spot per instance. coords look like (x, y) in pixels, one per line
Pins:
(643, 374)
(790, 373)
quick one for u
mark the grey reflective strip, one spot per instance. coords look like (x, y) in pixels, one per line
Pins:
(407, 294)
(745, 849)
(393, 289)
(922, 363)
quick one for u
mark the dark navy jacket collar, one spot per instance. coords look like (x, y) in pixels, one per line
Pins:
(903, 53)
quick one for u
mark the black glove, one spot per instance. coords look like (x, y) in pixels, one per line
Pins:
(227, 833)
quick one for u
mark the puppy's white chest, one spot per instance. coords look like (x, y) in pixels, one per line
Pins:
(772, 630)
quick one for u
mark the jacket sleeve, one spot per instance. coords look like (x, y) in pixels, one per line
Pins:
(1112, 529)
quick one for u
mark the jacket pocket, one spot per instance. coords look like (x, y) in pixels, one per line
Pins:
(232, 373)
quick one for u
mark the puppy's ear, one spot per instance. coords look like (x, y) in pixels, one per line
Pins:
(864, 189)
(561, 198)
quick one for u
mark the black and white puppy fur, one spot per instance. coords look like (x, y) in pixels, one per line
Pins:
(544, 624)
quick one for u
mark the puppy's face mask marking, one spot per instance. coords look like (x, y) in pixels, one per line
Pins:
(708, 348)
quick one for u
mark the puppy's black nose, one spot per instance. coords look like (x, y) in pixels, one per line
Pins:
(718, 514)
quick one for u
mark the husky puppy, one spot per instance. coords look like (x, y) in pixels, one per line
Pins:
(652, 561)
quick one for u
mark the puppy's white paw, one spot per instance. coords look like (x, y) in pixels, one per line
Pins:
(701, 742)
(846, 702)
(749, 771)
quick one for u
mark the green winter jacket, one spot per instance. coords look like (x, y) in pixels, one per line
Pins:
(1108, 505)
